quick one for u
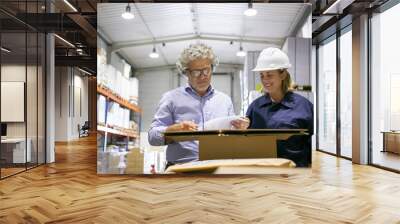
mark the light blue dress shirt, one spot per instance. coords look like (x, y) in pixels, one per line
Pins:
(184, 104)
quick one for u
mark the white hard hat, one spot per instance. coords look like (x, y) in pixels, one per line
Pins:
(272, 58)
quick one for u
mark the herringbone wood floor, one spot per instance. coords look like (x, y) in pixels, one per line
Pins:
(69, 191)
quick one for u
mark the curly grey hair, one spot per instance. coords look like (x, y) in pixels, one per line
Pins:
(195, 51)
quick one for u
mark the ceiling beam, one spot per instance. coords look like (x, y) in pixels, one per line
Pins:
(82, 61)
(300, 20)
(103, 35)
(84, 24)
(184, 37)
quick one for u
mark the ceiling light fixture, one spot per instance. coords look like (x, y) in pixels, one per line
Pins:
(128, 14)
(154, 53)
(250, 11)
(5, 50)
(241, 52)
(70, 5)
(64, 40)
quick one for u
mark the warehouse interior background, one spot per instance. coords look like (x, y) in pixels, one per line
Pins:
(223, 27)
(54, 62)
(329, 76)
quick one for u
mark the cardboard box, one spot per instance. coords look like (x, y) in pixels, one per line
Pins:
(235, 144)
(134, 162)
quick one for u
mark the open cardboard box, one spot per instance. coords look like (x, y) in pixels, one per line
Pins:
(234, 144)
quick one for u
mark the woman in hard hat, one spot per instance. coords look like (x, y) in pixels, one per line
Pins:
(280, 108)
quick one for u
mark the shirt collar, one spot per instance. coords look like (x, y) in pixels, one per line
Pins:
(189, 88)
(287, 100)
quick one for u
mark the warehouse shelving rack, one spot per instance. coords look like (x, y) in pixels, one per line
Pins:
(109, 129)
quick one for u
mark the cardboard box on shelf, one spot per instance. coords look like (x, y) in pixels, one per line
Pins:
(113, 161)
(134, 87)
(107, 163)
(134, 90)
(125, 88)
(134, 162)
(101, 108)
(134, 125)
(101, 77)
(126, 118)
(110, 77)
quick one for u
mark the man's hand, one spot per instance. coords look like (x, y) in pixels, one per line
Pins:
(241, 123)
(183, 126)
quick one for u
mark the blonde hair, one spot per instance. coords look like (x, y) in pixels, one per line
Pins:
(287, 83)
(193, 52)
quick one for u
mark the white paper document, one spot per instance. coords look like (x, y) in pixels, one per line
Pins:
(220, 123)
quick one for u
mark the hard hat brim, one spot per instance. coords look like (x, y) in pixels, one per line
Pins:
(259, 69)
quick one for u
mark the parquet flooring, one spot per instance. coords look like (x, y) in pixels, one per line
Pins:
(10, 171)
(70, 191)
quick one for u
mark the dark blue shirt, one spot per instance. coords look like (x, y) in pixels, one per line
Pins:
(293, 112)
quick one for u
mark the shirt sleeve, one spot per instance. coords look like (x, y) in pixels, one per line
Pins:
(162, 119)
(311, 122)
(249, 113)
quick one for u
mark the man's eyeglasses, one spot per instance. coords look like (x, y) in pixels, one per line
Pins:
(196, 73)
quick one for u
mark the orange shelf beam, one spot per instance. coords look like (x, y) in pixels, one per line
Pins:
(112, 96)
(102, 128)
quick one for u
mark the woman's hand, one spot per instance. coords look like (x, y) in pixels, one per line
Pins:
(183, 126)
(241, 123)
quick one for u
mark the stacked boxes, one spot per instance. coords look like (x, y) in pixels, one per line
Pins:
(134, 162)
(134, 91)
(126, 88)
(116, 84)
(101, 109)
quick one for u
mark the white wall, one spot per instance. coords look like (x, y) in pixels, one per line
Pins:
(152, 84)
(81, 109)
(61, 103)
(70, 84)
(299, 52)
